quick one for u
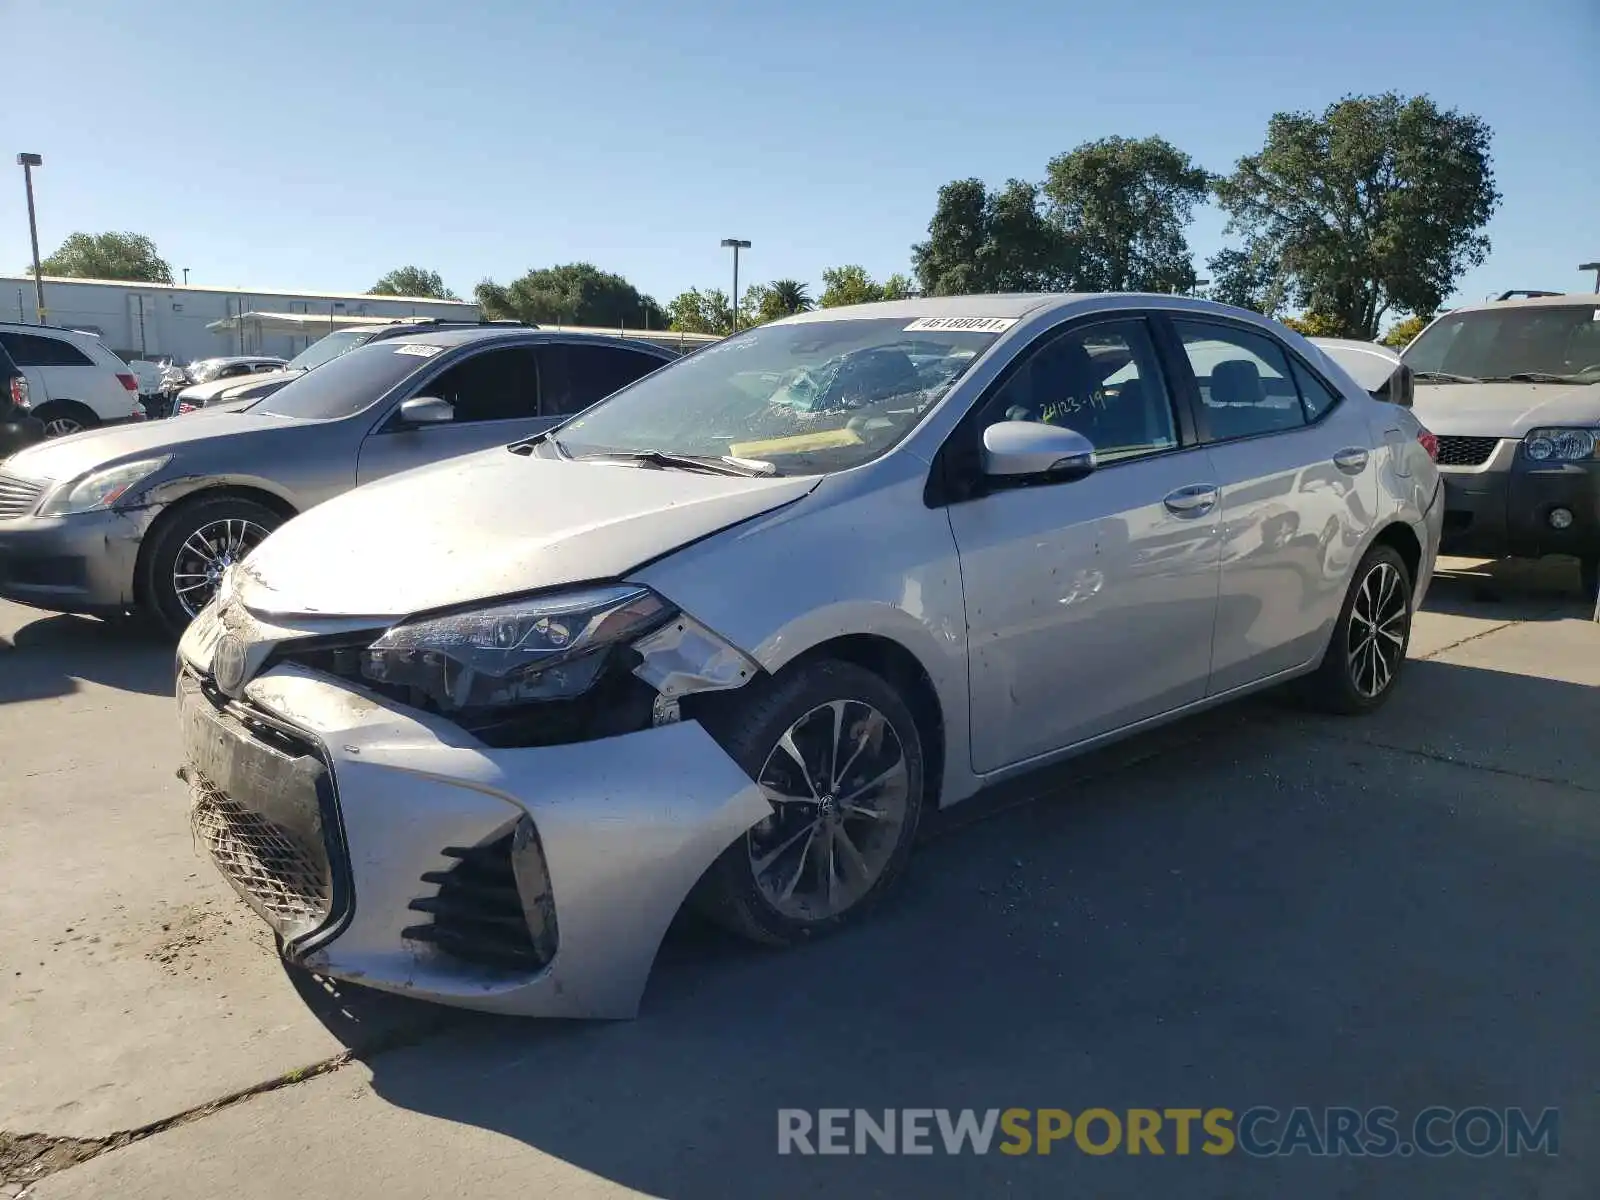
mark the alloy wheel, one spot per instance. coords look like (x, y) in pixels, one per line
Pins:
(61, 426)
(1379, 621)
(206, 554)
(839, 788)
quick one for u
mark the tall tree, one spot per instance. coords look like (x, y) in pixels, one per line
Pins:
(1121, 204)
(695, 311)
(1245, 281)
(412, 281)
(1404, 331)
(1376, 205)
(573, 294)
(770, 301)
(849, 284)
(129, 256)
(989, 241)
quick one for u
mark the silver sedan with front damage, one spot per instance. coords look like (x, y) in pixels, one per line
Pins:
(477, 734)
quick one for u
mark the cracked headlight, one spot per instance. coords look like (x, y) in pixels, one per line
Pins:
(101, 489)
(1559, 445)
(542, 648)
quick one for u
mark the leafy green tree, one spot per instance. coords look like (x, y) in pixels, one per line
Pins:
(1121, 205)
(989, 241)
(130, 256)
(849, 284)
(573, 294)
(897, 287)
(1376, 205)
(695, 311)
(412, 281)
(1315, 324)
(770, 301)
(1249, 282)
(1404, 331)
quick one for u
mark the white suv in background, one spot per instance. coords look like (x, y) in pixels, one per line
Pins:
(74, 381)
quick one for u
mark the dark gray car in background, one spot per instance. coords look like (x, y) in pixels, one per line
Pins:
(146, 518)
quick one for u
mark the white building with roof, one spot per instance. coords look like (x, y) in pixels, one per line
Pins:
(186, 322)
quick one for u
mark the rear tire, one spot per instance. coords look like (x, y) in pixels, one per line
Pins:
(190, 547)
(63, 417)
(838, 753)
(1367, 652)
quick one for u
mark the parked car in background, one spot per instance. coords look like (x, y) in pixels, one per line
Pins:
(148, 519)
(18, 426)
(732, 631)
(1512, 388)
(233, 366)
(74, 382)
(323, 350)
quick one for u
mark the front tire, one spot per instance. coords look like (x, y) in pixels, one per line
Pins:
(839, 756)
(1367, 652)
(191, 547)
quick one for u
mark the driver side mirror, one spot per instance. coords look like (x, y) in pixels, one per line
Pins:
(1018, 450)
(427, 410)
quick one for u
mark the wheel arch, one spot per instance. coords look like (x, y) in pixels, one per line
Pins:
(1400, 536)
(220, 490)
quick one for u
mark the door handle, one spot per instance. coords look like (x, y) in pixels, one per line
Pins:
(1352, 460)
(1196, 500)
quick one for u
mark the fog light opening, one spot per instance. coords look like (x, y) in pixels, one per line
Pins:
(1560, 518)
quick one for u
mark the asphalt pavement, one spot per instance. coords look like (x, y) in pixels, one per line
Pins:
(1256, 907)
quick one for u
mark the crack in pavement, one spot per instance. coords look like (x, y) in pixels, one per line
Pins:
(27, 1158)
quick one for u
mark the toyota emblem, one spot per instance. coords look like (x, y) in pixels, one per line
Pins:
(228, 664)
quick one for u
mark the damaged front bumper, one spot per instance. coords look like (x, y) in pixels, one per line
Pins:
(389, 847)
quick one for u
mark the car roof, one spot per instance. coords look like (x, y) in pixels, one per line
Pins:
(519, 333)
(1559, 300)
(1012, 305)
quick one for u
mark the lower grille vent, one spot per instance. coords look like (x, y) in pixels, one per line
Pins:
(478, 914)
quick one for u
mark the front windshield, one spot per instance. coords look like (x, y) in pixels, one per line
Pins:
(1559, 341)
(353, 381)
(329, 348)
(807, 398)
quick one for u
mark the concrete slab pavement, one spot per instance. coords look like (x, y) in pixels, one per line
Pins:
(1254, 907)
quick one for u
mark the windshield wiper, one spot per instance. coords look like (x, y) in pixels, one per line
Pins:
(1443, 377)
(716, 465)
(1533, 377)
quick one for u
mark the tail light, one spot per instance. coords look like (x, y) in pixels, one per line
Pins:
(127, 381)
(185, 407)
(19, 393)
(1429, 443)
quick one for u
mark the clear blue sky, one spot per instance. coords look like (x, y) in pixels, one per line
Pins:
(300, 145)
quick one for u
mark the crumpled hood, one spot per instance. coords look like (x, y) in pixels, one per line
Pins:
(491, 524)
(1505, 410)
(67, 458)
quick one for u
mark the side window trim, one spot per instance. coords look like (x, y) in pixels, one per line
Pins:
(949, 479)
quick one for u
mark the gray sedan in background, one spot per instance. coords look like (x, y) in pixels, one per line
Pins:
(146, 518)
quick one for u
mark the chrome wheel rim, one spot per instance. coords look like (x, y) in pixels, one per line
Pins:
(206, 554)
(1380, 618)
(840, 788)
(61, 426)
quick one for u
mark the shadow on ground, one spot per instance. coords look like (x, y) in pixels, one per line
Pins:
(50, 656)
(1510, 589)
(1254, 908)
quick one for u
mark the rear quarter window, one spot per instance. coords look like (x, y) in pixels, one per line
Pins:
(32, 350)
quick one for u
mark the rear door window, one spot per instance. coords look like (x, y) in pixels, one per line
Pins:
(581, 375)
(31, 350)
(1246, 386)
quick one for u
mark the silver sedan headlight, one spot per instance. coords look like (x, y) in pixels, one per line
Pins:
(101, 489)
(1559, 445)
(542, 648)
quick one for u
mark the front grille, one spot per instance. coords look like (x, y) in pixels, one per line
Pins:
(18, 496)
(478, 913)
(288, 880)
(1466, 451)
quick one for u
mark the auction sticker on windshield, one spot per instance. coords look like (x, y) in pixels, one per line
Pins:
(419, 351)
(961, 324)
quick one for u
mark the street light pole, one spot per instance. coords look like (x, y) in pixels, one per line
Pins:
(28, 162)
(1595, 267)
(737, 245)
(186, 277)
